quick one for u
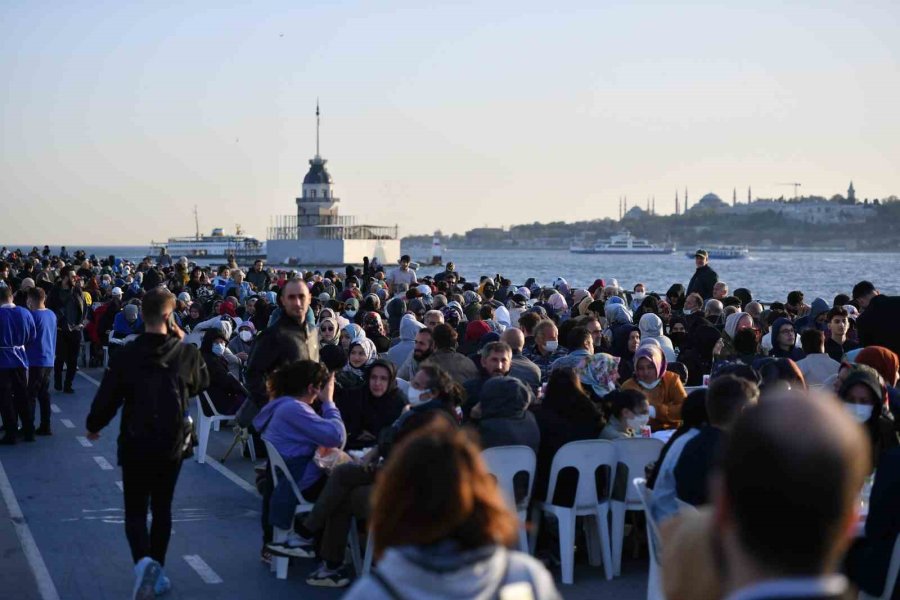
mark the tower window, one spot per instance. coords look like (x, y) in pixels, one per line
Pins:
(312, 193)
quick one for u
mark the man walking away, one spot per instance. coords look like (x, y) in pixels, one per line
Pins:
(67, 301)
(16, 331)
(41, 352)
(152, 379)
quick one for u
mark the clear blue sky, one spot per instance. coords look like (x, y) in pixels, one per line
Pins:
(118, 117)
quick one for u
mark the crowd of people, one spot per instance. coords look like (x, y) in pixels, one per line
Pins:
(391, 365)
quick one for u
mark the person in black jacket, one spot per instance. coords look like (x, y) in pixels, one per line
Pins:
(152, 379)
(504, 419)
(67, 301)
(704, 279)
(226, 392)
(373, 407)
(286, 341)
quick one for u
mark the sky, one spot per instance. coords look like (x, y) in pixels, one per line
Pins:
(117, 118)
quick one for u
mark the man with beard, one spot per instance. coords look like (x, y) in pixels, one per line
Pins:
(422, 349)
(496, 359)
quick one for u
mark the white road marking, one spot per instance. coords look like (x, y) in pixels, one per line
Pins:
(54, 408)
(120, 485)
(41, 575)
(234, 477)
(104, 464)
(84, 441)
(203, 570)
(67, 423)
(89, 378)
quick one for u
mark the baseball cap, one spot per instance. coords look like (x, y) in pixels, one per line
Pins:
(116, 291)
(702, 253)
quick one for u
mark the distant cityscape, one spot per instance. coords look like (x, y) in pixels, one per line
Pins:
(841, 222)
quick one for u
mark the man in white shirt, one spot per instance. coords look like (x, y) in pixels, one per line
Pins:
(817, 367)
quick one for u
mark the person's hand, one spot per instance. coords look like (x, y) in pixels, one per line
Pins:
(243, 356)
(93, 436)
(326, 394)
(717, 349)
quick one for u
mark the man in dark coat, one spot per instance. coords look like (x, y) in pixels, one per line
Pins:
(704, 279)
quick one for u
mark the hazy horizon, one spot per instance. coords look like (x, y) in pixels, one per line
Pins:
(118, 119)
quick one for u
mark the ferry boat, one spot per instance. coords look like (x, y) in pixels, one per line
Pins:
(216, 245)
(725, 253)
(623, 243)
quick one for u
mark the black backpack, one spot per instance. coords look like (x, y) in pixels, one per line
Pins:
(157, 421)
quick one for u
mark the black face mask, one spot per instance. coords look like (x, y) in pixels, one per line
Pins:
(677, 338)
(745, 341)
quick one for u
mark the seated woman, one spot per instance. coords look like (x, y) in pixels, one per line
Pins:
(372, 407)
(328, 332)
(226, 392)
(290, 424)
(625, 342)
(627, 412)
(864, 395)
(361, 354)
(437, 471)
(662, 388)
(351, 333)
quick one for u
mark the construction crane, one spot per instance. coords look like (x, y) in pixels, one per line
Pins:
(796, 188)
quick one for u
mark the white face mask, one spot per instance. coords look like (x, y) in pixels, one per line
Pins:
(350, 313)
(551, 345)
(638, 296)
(648, 386)
(688, 311)
(218, 349)
(415, 396)
(636, 422)
(860, 412)
(246, 335)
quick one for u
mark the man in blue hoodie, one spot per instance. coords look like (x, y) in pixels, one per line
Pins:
(16, 331)
(41, 353)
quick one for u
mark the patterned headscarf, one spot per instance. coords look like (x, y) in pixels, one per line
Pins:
(371, 354)
(354, 332)
(600, 371)
(654, 354)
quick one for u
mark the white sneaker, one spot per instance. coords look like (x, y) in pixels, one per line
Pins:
(146, 572)
(294, 545)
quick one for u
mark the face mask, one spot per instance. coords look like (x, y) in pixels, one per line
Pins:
(246, 335)
(350, 313)
(638, 296)
(551, 346)
(860, 412)
(636, 422)
(649, 386)
(218, 349)
(677, 338)
(415, 396)
(688, 311)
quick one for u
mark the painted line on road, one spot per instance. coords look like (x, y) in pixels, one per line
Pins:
(84, 441)
(32, 553)
(120, 485)
(234, 477)
(104, 464)
(89, 378)
(54, 408)
(203, 570)
(68, 423)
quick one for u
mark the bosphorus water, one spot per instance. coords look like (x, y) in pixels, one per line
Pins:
(768, 275)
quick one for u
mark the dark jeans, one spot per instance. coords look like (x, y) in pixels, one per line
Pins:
(310, 494)
(68, 345)
(39, 392)
(149, 482)
(14, 404)
(345, 495)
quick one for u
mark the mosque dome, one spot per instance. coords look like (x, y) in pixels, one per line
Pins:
(711, 201)
(317, 174)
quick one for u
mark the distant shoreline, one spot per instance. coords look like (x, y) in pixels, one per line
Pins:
(765, 250)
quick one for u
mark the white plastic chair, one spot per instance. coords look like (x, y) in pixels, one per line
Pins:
(85, 354)
(654, 585)
(890, 581)
(280, 563)
(586, 456)
(205, 424)
(504, 463)
(634, 454)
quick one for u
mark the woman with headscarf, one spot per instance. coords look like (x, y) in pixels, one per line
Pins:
(625, 342)
(372, 407)
(374, 329)
(864, 395)
(662, 388)
(351, 333)
(616, 314)
(887, 363)
(599, 374)
(362, 354)
(675, 297)
(226, 392)
(651, 327)
(328, 332)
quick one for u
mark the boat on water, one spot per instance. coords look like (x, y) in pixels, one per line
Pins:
(623, 243)
(725, 253)
(216, 245)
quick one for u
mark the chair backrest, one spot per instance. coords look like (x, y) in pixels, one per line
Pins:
(204, 399)
(586, 456)
(679, 369)
(893, 573)
(634, 455)
(505, 462)
(646, 497)
(277, 464)
(692, 388)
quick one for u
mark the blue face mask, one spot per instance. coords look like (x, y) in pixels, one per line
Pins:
(218, 349)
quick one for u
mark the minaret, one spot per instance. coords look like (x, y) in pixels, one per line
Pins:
(677, 207)
(851, 193)
(734, 197)
(654, 206)
(749, 197)
(685, 199)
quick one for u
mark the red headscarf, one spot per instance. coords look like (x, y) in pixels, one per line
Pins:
(882, 360)
(476, 329)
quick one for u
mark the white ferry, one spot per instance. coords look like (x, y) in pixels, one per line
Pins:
(216, 245)
(623, 243)
(725, 253)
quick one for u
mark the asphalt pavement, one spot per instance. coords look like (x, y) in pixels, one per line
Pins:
(62, 533)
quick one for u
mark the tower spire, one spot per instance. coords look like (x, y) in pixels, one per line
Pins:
(317, 127)
(677, 207)
(734, 197)
(749, 200)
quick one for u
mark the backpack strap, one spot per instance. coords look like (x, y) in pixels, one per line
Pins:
(385, 584)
